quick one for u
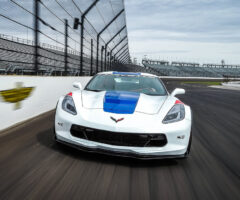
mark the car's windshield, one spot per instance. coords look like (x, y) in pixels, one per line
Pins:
(140, 84)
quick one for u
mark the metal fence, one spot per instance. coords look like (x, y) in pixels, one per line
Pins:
(67, 37)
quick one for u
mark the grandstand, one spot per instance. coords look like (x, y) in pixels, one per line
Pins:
(185, 69)
(65, 37)
(16, 57)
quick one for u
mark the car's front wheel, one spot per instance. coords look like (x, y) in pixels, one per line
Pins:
(54, 134)
(189, 147)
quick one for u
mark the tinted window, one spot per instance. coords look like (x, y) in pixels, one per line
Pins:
(141, 84)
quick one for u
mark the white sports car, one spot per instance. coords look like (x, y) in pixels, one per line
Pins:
(126, 114)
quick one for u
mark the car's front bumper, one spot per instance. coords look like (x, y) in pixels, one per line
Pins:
(169, 150)
(177, 134)
(130, 153)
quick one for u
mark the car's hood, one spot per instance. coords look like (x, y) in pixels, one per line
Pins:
(122, 102)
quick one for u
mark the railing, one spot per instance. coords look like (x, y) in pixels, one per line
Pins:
(186, 64)
(31, 43)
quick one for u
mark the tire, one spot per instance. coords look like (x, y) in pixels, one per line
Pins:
(54, 130)
(189, 147)
(54, 134)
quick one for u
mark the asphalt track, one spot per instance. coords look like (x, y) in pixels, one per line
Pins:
(32, 166)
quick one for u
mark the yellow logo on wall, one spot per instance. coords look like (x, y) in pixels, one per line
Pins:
(16, 95)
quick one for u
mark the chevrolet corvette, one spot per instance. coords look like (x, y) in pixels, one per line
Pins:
(125, 114)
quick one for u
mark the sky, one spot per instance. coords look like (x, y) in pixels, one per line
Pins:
(204, 31)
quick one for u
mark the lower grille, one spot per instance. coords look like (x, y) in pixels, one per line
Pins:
(119, 139)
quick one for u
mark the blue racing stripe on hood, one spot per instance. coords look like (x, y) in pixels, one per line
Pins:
(127, 73)
(120, 102)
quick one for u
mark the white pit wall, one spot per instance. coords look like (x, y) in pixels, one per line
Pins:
(44, 97)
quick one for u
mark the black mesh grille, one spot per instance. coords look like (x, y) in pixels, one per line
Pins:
(119, 139)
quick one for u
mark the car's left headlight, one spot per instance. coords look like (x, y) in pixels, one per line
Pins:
(68, 105)
(177, 113)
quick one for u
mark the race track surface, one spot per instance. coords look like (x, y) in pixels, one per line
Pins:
(32, 166)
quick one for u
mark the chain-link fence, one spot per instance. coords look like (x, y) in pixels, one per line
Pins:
(62, 37)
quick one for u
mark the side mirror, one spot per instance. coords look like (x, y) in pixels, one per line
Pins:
(177, 91)
(77, 85)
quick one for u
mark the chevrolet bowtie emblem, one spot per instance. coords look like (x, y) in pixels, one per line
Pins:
(116, 120)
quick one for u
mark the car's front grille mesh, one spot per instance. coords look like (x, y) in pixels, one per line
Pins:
(119, 139)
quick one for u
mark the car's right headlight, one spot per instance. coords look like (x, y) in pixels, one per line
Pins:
(177, 113)
(68, 105)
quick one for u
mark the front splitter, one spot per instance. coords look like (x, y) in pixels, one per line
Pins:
(119, 153)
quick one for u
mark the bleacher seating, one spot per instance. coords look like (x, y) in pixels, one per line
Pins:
(15, 56)
(195, 70)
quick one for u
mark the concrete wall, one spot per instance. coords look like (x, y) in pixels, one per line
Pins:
(43, 98)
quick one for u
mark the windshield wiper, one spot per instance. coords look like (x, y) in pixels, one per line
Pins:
(94, 90)
(155, 94)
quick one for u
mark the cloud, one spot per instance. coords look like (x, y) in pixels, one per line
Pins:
(205, 30)
(208, 23)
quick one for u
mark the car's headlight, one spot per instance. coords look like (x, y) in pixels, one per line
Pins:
(177, 113)
(68, 105)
